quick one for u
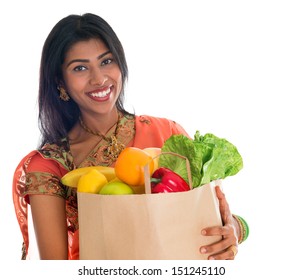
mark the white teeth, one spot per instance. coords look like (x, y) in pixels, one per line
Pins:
(101, 93)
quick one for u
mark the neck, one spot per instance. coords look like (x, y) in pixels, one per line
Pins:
(99, 125)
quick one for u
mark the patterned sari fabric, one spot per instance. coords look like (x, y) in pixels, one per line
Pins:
(40, 171)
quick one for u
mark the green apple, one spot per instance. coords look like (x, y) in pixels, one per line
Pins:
(116, 187)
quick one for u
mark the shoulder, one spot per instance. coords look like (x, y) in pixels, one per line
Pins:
(50, 158)
(159, 124)
(147, 119)
(154, 131)
(58, 153)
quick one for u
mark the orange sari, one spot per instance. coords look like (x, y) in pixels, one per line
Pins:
(40, 171)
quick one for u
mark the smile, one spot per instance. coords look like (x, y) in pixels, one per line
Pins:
(101, 94)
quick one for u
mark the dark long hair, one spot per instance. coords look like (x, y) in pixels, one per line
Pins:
(57, 117)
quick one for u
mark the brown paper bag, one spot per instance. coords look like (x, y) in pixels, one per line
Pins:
(163, 226)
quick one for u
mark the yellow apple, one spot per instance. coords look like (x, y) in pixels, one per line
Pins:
(116, 188)
(92, 181)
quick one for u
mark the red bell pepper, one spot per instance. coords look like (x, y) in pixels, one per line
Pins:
(165, 180)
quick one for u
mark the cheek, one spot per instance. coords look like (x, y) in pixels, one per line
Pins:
(74, 85)
(119, 80)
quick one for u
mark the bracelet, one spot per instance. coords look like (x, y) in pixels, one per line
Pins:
(240, 237)
(244, 228)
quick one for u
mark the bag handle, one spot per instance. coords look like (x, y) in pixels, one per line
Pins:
(147, 176)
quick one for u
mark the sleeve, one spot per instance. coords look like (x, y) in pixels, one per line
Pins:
(42, 176)
(40, 164)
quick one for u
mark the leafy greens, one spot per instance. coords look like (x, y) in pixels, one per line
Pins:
(210, 157)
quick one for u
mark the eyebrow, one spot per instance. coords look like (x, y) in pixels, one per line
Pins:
(87, 60)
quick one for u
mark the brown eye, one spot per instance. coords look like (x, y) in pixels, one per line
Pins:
(79, 68)
(107, 61)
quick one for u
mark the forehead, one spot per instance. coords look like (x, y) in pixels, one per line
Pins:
(86, 49)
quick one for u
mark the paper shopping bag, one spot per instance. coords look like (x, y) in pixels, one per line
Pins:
(164, 226)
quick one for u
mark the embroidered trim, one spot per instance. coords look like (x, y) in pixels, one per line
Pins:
(143, 119)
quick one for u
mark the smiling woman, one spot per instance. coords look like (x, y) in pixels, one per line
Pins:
(90, 71)
(93, 80)
(83, 123)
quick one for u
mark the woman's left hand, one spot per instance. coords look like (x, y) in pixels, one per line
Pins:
(227, 247)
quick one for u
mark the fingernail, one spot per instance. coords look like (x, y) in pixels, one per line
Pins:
(203, 250)
(211, 258)
(203, 232)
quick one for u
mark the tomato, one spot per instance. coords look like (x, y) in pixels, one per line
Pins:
(129, 166)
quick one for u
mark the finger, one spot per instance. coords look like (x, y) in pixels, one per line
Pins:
(225, 212)
(215, 248)
(227, 231)
(228, 254)
(228, 239)
(219, 193)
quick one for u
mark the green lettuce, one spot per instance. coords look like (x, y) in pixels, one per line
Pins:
(210, 157)
(184, 146)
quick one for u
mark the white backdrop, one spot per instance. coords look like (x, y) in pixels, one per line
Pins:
(232, 68)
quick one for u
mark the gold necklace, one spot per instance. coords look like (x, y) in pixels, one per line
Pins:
(114, 148)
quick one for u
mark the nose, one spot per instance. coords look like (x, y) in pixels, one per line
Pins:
(98, 78)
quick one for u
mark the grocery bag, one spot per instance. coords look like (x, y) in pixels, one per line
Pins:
(162, 226)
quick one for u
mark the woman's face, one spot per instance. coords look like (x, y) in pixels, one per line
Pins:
(92, 77)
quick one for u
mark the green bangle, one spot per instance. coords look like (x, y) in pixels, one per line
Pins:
(245, 228)
(240, 237)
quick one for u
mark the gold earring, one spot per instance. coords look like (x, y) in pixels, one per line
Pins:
(63, 94)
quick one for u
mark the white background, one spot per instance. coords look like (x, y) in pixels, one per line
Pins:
(232, 68)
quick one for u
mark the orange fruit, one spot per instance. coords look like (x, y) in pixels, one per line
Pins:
(130, 164)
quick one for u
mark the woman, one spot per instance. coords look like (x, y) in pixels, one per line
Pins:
(84, 123)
